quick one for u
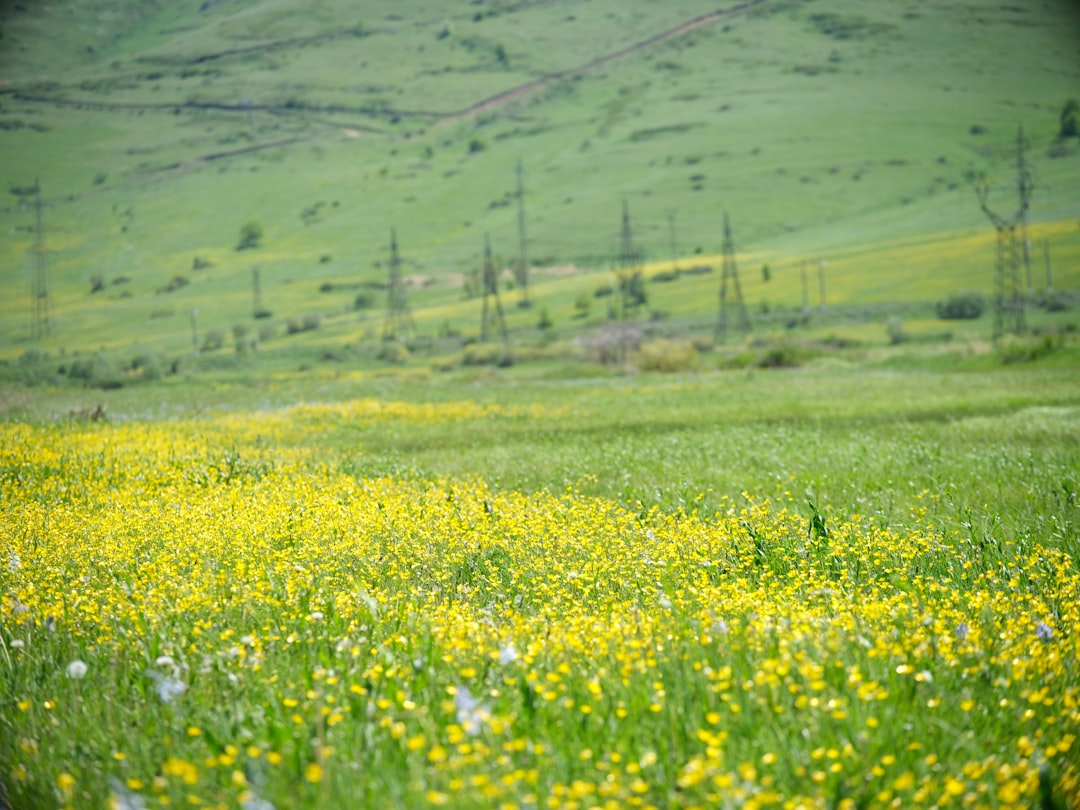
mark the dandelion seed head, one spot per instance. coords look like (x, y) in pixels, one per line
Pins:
(77, 669)
(167, 688)
(124, 799)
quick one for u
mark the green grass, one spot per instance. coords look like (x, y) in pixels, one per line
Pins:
(719, 565)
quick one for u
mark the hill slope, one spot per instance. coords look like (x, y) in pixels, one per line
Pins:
(840, 132)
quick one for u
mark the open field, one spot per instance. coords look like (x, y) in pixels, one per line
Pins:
(694, 591)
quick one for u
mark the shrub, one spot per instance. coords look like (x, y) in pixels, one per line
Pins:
(545, 321)
(1070, 120)
(251, 235)
(213, 340)
(1016, 349)
(176, 283)
(667, 356)
(363, 300)
(481, 354)
(392, 351)
(95, 370)
(582, 305)
(611, 344)
(97, 283)
(308, 323)
(894, 327)
(147, 366)
(961, 306)
(267, 332)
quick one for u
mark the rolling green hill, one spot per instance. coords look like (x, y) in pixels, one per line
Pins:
(843, 131)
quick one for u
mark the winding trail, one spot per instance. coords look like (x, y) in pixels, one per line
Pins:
(514, 93)
(437, 118)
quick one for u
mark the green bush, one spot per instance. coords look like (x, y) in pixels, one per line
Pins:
(392, 351)
(894, 327)
(147, 366)
(251, 235)
(1017, 349)
(482, 354)
(961, 306)
(667, 356)
(213, 340)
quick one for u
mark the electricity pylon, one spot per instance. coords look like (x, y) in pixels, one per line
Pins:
(729, 270)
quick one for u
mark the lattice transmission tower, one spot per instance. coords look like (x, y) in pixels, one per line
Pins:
(730, 271)
(631, 279)
(399, 322)
(41, 323)
(491, 315)
(523, 242)
(1011, 250)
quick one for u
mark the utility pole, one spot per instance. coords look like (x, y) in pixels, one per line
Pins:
(1046, 258)
(805, 288)
(631, 283)
(1009, 300)
(398, 317)
(257, 306)
(491, 288)
(730, 271)
(674, 246)
(248, 104)
(40, 284)
(195, 331)
(821, 282)
(523, 253)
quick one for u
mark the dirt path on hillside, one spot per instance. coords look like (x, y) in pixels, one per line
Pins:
(352, 130)
(515, 93)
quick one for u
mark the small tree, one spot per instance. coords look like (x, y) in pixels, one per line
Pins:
(1070, 120)
(251, 235)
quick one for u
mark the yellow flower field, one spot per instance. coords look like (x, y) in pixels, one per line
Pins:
(195, 615)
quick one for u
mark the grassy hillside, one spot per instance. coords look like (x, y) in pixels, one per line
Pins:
(841, 133)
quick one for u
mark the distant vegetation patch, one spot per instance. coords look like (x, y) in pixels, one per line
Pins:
(653, 132)
(962, 306)
(849, 26)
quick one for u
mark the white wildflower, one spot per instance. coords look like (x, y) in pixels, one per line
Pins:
(508, 653)
(255, 802)
(168, 688)
(14, 562)
(124, 799)
(77, 669)
(471, 713)
(17, 644)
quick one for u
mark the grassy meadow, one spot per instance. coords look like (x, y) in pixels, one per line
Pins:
(255, 557)
(827, 587)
